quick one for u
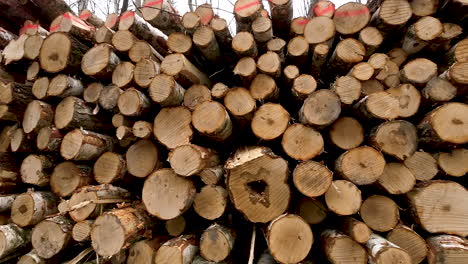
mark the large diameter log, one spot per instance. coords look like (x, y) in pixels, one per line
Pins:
(166, 91)
(67, 177)
(80, 144)
(144, 251)
(435, 203)
(126, 225)
(32, 207)
(60, 52)
(51, 236)
(421, 33)
(179, 250)
(100, 61)
(183, 70)
(380, 213)
(446, 249)
(172, 126)
(267, 194)
(289, 238)
(188, 160)
(36, 116)
(35, 169)
(161, 185)
(210, 203)
(361, 165)
(301, 142)
(343, 197)
(211, 119)
(216, 243)
(396, 138)
(143, 158)
(162, 15)
(319, 29)
(350, 18)
(391, 15)
(73, 25)
(340, 248)
(326, 100)
(385, 252)
(245, 12)
(73, 112)
(12, 239)
(409, 240)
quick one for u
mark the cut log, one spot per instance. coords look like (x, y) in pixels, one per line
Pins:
(371, 86)
(290, 73)
(68, 177)
(36, 116)
(176, 226)
(246, 68)
(120, 120)
(322, 8)
(270, 121)
(179, 250)
(81, 231)
(319, 57)
(243, 44)
(190, 22)
(216, 243)
(240, 103)
(178, 66)
(172, 126)
(312, 178)
(340, 248)
(398, 56)
(92, 92)
(90, 18)
(289, 238)
(419, 71)
(132, 102)
(163, 184)
(346, 133)
(35, 169)
(6, 201)
(14, 51)
(348, 88)
(80, 144)
(380, 105)
(109, 167)
(355, 229)
(188, 160)
(61, 52)
(30, 208)
(262, 29)
(370, 166)
(456, 75)
(13, 238)
(260, 175)
(422, 165)
(385, 252)
(446, 249)
(221, 30)
(179, 42)
(162, 15)
(453, 163)
(298, 50)
(350, 18)
(31, 258)
(103, 35)
(109, 96)
(269, 63)
(409, 241)
(277, 45)
(380, 213)
(145, 71)
(421, 33)
(112, 21)
(123, 40)
(125, 224)
(49, 139)
(312, 210)
(302, 143)
(125, 136)
(205, 12)
(73, 112)
(245, 12)
(396, 138)
(32, 46)
(21, 142)
(439, 90)
(205, 40)
(122, 75)
(211, 176)
(409, 99)
(379, 60)
(100, 61)
(219, 90)
(63, 86)
(142, 129)
(196, 95)
(211, 202)
(143, 50)
(165, 91)
(32, 72)
(40, 87)
(211, 119)
(343, 197)
(143, 158)
(144, 251)
(362, 71)
(348, 52)
(392, 15)
(397, 178)
(298, 25)
(329, 104)
(73, 25)
(16, 95)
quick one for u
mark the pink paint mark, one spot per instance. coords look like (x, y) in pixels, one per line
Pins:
(318, 11)
(85, 16)
(77, 20)
(352, 13)
(27, 26)
(127, 15)
(114, 21)
(53, 28)
(152, 3)
(205, 20)
(246, 6)
(302, 21)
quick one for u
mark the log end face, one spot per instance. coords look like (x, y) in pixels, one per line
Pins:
(107, 235)
(71, 144)
(32, 116)
(22, 210)
(54, 52)
(96, 59)
(48, 239)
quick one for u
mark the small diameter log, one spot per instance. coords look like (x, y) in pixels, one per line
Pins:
(63, 86)
(81, 231)
(21, 142)
(312, 179)
(144, 251)
(343, 197)
(196, 95)
(32, 46)
(379, 60)
(12, 239)
(109, 167)
(92, 92)
(245, 12)
(211, 119)
(123, 74)
(104, 35)
(68, 177)
(422, 165)
(37, 115)
(142, 50)
(125, 136)
(30, 208)
(61, 52)
(176, 226)
(301, 142)
(380, 105)
(298, 25)
(100, 61)
(243, 44)
(421, 33)
(179, 42)
(319, 57)
(322, 8)
(246, 69)
(210, 203)
(409, 99)
(371, 86)
(190, 22)
(392, 15)
(348, 88)
(35, 169)
(446, 248)
(125, 224)
(380, 213)
(5, 141)
(346, 133)
(162, 15)
(290, 73)
(221, 30)
(163, 184)
(362, 71)
(49, 139)
(73, 112)
(211, 176)
(178, 66)
(145, 71)
(188, 160)
(142, 129)
(350, 18)
(219, 90)
(165, 91)
(90, 18)
(80, 144)
(385, 252)
(32, 72)
(396, 138)
(14, 51)
(348, 52)
(397, 178)
(123, 40)
(298, 50)
(270, 63)
(270, 121)
(142, 158)
(15, 94)
(409, 241)
(453, 163)
(239, 103)
(109, 96)
(327, 101)
(7, 114)
(447, 200)
(205, 40)
(456, 75)
(40, 87)
(362, 165)
(439, 90)
(419, 71)
(397, 56)
(356, 229)
(31, 258)
(205, 12)
(372, 38)
(132, 102)
(120, 120)
(172, 126)
(73, 25)
(277, 45)
(6, 201)
(262, 29)
(289, 238)
(216, 243)
(340, 248)
(179, 250)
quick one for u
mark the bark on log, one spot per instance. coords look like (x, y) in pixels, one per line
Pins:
(144, 251)
(5, 37)
(35, 169)
(319, 57)
(21, 142)
(67, 177)
(73, 112)
(36, 116)
(109, 167)
(356, 229)
(63, 86)
(31, 258)
(205, 40)
(281, 15)
(245, 12)
(421, 33)
(188, 160)
(13, 239)
(179, 250)
(277, 45)
(384, 251)
(340, 248)
(221, 30)
(178, 66)
(380, 213)
(61, 52)
(262, 29)
(73, 25)
(162, 15)
(211, 202)
(190, 22)
(446, 249)
(298, 50)
(16, 95)
(49, 139)
(32, 207)
(410, 241)
(51, 236)
(90, 18)
(80, 144)
(172, 126)
(216, 243)
(290, 73)
(106, 58)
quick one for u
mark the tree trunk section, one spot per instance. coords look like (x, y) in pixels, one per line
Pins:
(210, 203)
(340, 248)
(32, 207)
(80, 144)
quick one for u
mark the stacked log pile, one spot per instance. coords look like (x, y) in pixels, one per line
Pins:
(152, 137)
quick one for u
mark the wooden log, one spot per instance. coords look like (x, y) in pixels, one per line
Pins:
(243, 44)
(31, 258)
(143, 50)
(239, 103)
(5, 140)
(380, 105)
(263, 87)
(40, 87)
(211, 119)
(73, 25)
(301, 142)
(92, 92)
(123, 74)
(211, 202)
(221, 30)
(205, 40)
(21, 142)
(179, 42)
(267, 189)
(319, 57)
(348, 88)
(410, 241)
(312, 178)
(262, 29)
(35, 169)
(450, 31)
(281, 14)
(380, 213)
(371, 165)
(90, 18)
(172, 126)
(205, 12)
(16, 95)
(456, 75)
(355, 229)
(298, 50)
(67, 177)
(350, 18)
(8, 114)
(383, 251)
(142, 129)
(165, 183)
(322, 8)
(6, 201)
(60, 52)
(439, 90)
(211, 176)
(176, 226)
(219, 90)
(245, 12)
(145, 71)
(396, 178)
(5, 37)
(391, 15)
(343, 197)
(108, 61)
(343, 59)
(289, 238)
(446, 249)
(30, 208)
(421, 33)
(109, 96)
(112, 21)
(313, 211)
(49, 139)
(178, 66)
(326, 100)
(179, 250)
(269, 63)
(379, 60)
(120, 120)
(371, 86)
(13, 239)
(36, 116)
(142, 158)
(31, 73)
(32, 46)
(123, 40)
(132, 102)
(196, 95)
(453, 163)
(277, 45)
(246, 69)
(161, 15)
(188, 160)
(422, 165)
(270, 121)
(14, 51)
(103, 35)
(81, 231)
(298, 25)
(290, 73)
(216, 243)
(80, 144)
(63, 86)
(73, 112)
(398, 56)
(190, 22)
(132, 223)
(362, 71)
(409, 99)
(396, 138)
(346, 133)
(125, 136)
(109, 167)
(144, 251)
(340, 248)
